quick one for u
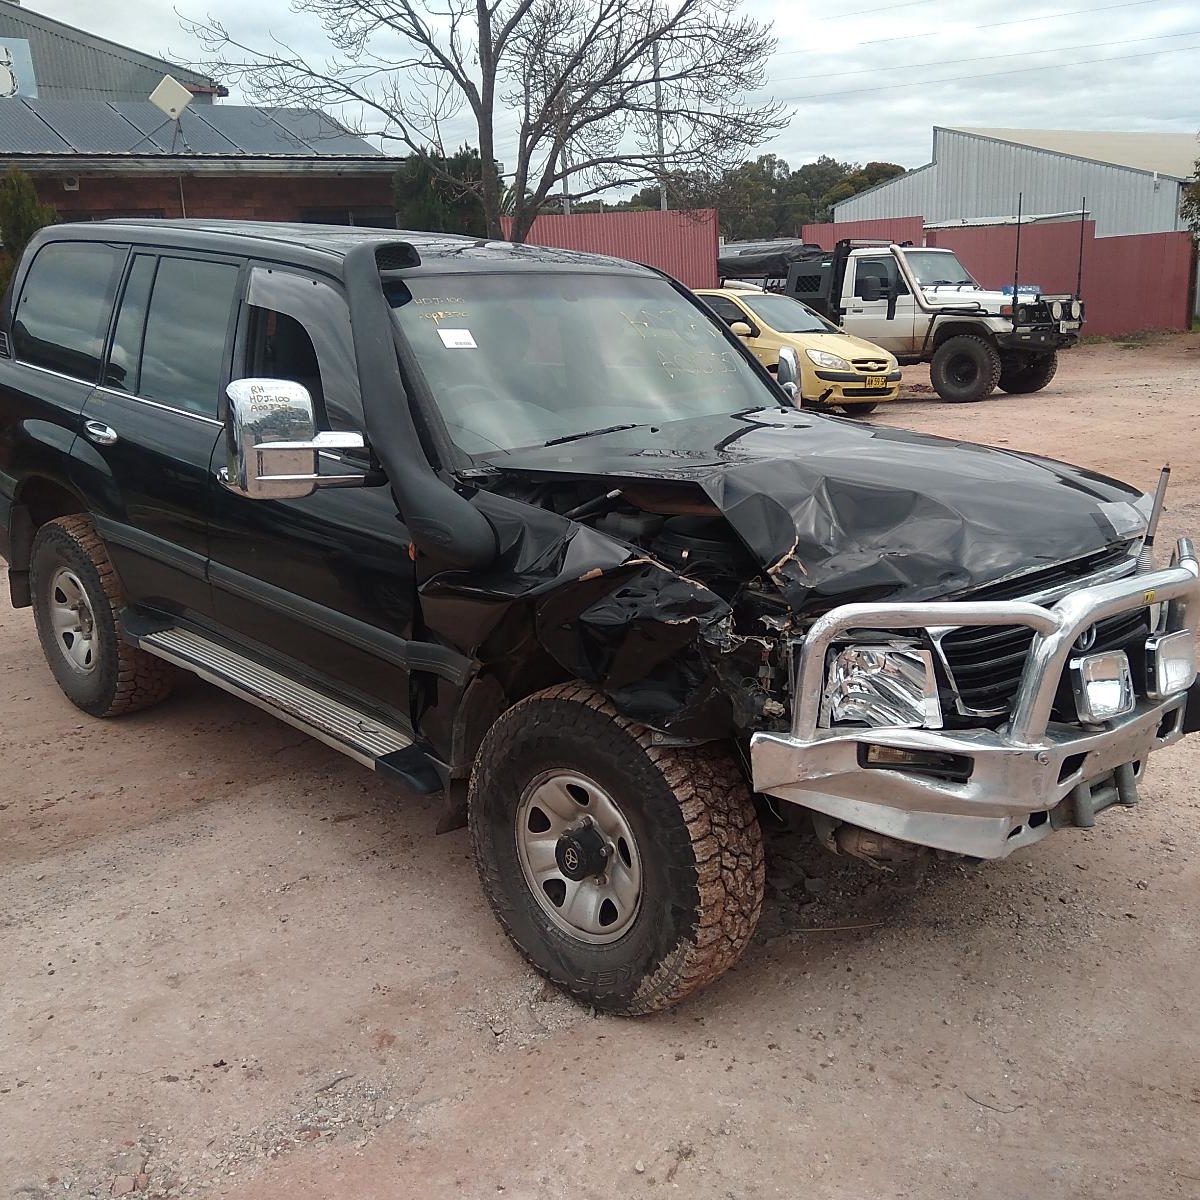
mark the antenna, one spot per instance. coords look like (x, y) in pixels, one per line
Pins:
(171, 98)
(1082, 223)
(1017, 255)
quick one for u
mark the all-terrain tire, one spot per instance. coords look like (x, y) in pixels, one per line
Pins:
(858, 410)
(965, 368)
(1022, 373)
(116, 678)
(696, 835)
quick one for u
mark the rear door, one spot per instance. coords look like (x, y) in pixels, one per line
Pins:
(51, 359)
(869, 318)
(325, 580)
(150, 427)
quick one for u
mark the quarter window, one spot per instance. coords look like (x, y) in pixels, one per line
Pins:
(183, 357)
(66, 303)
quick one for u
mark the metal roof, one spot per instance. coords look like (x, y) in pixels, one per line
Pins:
(1171, 154)
(136, 129)
(73, 65)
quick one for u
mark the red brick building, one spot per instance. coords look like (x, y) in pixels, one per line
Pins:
(93, 160)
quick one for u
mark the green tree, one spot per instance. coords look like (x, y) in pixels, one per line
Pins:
(22, 214)
(441, 195)
(1189, 210)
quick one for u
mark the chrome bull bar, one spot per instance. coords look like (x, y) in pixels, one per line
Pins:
(1055, 630)
(1019, 773)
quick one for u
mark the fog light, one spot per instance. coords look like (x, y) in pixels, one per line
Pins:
(1103, 686)
(1170, 664)
(882, 686)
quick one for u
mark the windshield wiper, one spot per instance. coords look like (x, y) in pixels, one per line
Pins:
(587, 433)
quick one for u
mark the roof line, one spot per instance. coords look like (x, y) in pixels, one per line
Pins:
(887, 183)
(1100, 162)
(127, 53)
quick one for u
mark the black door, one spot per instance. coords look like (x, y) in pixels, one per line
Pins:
(151, 425)
(326, 580)
(51, 361)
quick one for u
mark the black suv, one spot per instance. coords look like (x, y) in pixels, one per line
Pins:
(538, 519)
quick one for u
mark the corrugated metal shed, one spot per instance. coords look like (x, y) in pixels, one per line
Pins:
(63, 128)
(73, 65)
(1171, 154)
(683, 244)
(974, 176)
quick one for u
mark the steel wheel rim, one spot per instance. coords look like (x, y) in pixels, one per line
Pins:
(962, 370)
(73, 622)
(596, 910)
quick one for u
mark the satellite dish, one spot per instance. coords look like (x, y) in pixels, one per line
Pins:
(171, 97)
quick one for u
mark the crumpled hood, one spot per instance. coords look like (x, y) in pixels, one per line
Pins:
(836, 510)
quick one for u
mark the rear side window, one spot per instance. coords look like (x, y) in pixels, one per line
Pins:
(725, 309)
(126, 353)
(66, 303)
(183, 354)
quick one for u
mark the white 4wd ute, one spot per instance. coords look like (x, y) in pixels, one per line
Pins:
(922, 304)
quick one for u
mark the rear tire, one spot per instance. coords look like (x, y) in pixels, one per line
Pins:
(76, 596)
(965, 368)
(1022, 373)
(858, 410)
(673, 852)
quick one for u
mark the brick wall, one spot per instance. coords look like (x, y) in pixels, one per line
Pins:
(248, 197)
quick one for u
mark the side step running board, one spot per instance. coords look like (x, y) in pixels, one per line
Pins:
(373, 743)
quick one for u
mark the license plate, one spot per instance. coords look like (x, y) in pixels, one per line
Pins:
(876, 381)
(1067, 326)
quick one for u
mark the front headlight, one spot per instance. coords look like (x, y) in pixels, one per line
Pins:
(824, 359)
(882, 686)
(1056, 310)
(1170, 664)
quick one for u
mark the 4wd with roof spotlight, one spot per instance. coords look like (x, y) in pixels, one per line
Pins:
(541, 521)
(922, 305)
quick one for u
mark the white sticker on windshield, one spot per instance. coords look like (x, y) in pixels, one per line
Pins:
(457, 339)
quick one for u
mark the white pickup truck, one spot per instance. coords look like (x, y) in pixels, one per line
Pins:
(923, 305)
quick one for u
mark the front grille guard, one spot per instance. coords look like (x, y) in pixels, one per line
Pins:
(1055, 630)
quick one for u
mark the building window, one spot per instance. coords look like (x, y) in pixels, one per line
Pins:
(370, 218)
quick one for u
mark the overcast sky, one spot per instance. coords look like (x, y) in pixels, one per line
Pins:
(867, 79)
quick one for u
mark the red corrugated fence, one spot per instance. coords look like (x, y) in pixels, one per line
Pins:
(684, 244)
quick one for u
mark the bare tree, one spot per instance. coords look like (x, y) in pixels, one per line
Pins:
(582, 87)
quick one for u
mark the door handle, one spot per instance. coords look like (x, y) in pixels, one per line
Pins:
(101, 434)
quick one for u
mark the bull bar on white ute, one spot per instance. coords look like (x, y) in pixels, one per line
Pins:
(1019, 781)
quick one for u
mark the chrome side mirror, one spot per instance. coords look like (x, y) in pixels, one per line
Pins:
(273, 445)
(789, 373)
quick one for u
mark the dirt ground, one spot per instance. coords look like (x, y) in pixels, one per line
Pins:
(235, 964)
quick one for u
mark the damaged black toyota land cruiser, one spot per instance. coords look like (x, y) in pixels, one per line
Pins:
(537, 519)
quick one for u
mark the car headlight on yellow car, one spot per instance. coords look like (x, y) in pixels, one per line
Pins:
(887, 685)
(824, 359)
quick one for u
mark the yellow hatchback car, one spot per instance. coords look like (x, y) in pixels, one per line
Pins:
(836, 368)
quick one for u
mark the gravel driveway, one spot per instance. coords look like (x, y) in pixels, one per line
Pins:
(236, 964)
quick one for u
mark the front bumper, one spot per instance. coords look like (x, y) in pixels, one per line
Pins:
(850, 387)
(1037, 337)
(1018, 776)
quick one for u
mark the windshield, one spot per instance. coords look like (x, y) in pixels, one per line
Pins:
(932, 267)
(785, 315)
(528, 358)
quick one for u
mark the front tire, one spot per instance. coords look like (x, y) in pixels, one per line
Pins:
(627, 873)
(76, 596)
(1022, 373)
(965, 368)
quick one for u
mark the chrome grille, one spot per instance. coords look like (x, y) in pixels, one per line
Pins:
(986, 663)
(869, 365)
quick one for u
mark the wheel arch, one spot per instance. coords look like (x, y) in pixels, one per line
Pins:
(38, 500)
(951, 329)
